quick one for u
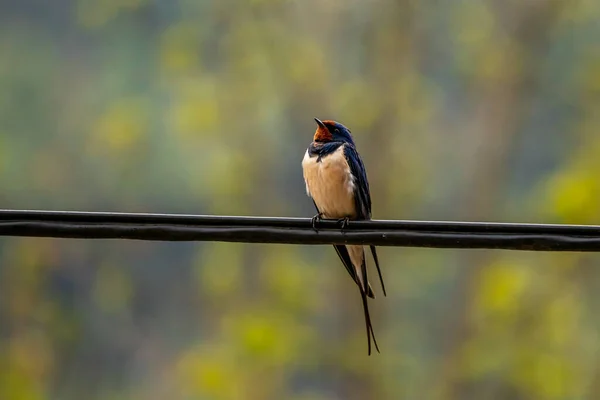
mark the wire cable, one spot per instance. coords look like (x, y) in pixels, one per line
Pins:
(406, 233)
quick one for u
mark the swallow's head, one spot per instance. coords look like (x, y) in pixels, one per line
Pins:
(331, 131)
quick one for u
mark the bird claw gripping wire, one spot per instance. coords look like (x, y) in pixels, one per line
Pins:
(344, 222)
(314, 220)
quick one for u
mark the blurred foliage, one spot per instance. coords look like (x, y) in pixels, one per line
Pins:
(462, 110)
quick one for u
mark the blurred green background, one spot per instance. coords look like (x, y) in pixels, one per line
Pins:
(462, 110)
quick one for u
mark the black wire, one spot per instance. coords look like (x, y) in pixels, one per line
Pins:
(219, 220)
(178, 227)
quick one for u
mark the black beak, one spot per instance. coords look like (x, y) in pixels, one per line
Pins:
(321, 124)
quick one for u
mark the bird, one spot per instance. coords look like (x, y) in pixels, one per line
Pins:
(336, 181)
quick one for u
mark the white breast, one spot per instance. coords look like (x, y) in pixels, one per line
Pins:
(330, 184)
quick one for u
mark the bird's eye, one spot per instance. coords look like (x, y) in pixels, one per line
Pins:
(337, 130)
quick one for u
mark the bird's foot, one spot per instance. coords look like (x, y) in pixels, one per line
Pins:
(315, 219)
(344, 222)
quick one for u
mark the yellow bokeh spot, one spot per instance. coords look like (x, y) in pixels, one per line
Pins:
(574, 196)
(122, 126)
(15, 385)
(213, 379)
(500, 287)
(546, 375)
(271, 338)
(258, 336)
(208, 371)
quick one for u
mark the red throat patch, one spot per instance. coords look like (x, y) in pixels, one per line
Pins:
(323, 134)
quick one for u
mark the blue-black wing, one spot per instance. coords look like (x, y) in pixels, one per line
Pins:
(362, 196)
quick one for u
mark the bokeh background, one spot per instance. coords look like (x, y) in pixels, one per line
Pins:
(462, 110)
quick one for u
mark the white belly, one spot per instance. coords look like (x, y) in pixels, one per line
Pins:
(330, 184)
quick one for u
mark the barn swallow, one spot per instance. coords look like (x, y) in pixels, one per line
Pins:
(336, 181)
